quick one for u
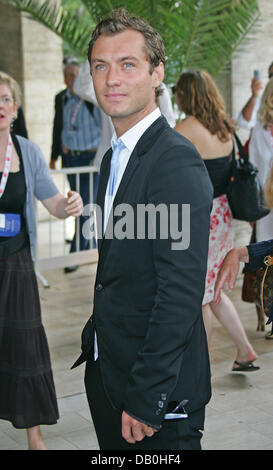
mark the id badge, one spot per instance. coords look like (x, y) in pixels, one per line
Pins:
(2, 221)
(10, 225)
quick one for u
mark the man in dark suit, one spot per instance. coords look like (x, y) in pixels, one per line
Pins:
(145, 344)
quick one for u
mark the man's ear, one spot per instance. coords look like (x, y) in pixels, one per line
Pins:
(158, 75)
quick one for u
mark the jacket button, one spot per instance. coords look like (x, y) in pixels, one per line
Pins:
(99, 287)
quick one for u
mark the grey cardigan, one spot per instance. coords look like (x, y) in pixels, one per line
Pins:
(38, 183)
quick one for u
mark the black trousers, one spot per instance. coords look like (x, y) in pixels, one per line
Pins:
(183, 434)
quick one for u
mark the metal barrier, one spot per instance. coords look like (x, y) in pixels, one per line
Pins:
(52, 247)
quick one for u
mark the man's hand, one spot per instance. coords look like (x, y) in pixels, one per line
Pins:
(134, 431)
(52, 164)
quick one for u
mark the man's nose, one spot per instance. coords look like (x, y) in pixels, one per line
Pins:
(113, 77)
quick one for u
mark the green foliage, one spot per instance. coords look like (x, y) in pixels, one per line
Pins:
(197, 33)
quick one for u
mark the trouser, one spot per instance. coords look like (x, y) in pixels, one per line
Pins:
(183, 434)
(84, 190)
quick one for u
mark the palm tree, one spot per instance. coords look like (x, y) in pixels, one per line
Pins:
(197, 33)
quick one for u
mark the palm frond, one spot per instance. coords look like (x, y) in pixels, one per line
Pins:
(75, 31)
(207, 32)
(197, 33)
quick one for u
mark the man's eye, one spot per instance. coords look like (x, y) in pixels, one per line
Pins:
(128, 65)
(99, 66)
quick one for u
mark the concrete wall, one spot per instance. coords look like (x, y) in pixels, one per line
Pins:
(258, 54)
(11, 60)
(43, 78)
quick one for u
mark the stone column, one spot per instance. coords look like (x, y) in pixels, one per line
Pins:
(32, 54)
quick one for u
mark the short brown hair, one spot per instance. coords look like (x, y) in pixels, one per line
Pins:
(120, 20)
(198, 95)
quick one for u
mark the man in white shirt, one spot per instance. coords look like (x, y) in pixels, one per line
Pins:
(147, 373)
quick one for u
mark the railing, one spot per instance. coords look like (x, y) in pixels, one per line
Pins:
(52, 249)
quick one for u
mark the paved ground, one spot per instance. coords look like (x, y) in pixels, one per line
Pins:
(239, 415)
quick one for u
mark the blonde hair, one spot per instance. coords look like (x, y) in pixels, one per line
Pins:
(198, 95)
(268, 189)
(266, 107)
(7, 80)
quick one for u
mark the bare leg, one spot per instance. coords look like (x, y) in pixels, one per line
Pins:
(227, 315)
(35, 440)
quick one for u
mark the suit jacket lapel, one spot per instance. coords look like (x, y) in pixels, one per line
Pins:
(104, 176)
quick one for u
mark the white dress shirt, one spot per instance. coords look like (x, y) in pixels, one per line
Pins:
(129, 139)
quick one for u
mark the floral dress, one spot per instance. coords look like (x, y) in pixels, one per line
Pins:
(221, 233)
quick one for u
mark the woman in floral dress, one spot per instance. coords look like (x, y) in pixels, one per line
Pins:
(210, 129)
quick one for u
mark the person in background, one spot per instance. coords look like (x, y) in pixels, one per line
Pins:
(18, 125)
(27, 391)
(247, 117)
(210, 129)
(252, 255)
(76, 136)
(261, 154)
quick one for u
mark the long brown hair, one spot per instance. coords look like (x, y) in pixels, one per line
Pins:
(197, 95)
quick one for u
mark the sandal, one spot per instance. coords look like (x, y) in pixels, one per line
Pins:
(244, 367)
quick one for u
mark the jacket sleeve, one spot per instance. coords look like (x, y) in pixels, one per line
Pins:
(179, 178)
(257, 253)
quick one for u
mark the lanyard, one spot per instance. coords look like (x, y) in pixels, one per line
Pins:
(5, 174)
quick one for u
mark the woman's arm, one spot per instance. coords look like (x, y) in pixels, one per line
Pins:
(63, 207)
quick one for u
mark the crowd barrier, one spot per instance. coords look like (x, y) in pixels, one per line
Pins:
(52, 248)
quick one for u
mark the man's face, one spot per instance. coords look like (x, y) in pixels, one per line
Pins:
(124, 85)
(70, 75)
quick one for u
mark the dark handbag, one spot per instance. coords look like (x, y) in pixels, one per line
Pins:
(263, 288)
(248, 286)
(244, 191)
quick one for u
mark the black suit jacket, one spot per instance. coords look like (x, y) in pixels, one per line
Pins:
(56, 149)
(147, 302)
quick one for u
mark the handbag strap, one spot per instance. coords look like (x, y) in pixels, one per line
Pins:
(268, 261)
(242, 151)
